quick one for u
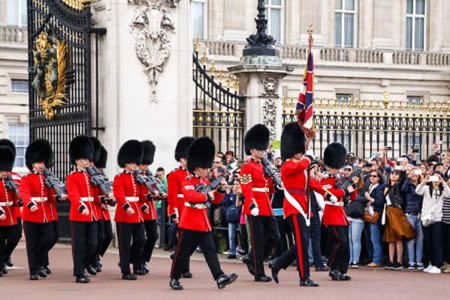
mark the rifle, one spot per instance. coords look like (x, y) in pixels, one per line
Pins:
(271, 171)
(100, 180)
(141, 179)
(155, 182)
(12, 186)
(52, 181)
(344, 184)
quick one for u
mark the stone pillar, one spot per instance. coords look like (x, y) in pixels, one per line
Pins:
(138, 101)
(260, 79)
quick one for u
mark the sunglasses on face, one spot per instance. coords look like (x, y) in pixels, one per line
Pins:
(373, 176)
(217, 162)
(395, 173)
(348, 169)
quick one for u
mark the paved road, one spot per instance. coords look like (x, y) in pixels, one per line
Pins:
(366, 284)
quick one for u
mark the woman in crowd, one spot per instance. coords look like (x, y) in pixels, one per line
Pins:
(232, 216)
(434, 189)
(375, 206)
(446, 229)
(356, 222)
(413, 205)
(397, 226)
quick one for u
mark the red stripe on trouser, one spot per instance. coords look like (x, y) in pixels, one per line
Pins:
(176, 254)
(299, 246)
(336, 248)
(253, 246)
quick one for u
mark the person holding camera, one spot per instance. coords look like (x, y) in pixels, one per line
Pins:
(434, 189)
(232, 215)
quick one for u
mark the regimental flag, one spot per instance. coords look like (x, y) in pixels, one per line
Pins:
(304, 108)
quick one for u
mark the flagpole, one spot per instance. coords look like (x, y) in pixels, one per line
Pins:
(310, 39)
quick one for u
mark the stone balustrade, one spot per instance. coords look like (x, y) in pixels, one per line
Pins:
(13, 34)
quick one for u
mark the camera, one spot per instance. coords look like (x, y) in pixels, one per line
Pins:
(434, 178)
(388, 148)
(416, 150)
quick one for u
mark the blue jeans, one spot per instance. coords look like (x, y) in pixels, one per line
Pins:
(354, 235)
(415, 246)
(375, 237)
(232, 237)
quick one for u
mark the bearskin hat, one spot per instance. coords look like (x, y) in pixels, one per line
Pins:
(130, 152)
(103, 157)
(39, 150)
(292, 140)
(7, 155)
(81, 147)
(201, 154)
(335, 155)
(149, 152)
(256, 137)
(97, 147)
(182, 148)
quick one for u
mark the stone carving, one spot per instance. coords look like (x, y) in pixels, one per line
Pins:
(270, 86)
(270, 116)
(152, 25)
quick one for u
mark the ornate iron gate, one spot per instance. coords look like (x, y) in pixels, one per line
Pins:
(59, 60)
(218, 112)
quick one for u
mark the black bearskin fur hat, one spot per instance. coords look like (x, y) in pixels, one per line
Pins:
(335, 155)
(182, 148)
(257, 138)
(149, 152)
(292, 141)
(97, 147)
(201, 154)
(81, 147)
(103, 157)
(39, 150)
(130, 152)
(7, 155)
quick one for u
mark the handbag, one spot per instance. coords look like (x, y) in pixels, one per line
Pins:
(232, 214)
(355, 209)
(372, 219)
(217, 215)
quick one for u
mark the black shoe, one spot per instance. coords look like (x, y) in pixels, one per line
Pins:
(175, 284)
(172, 255)
(231, 256)
(225, 280)
(9, 262)
(47, 270)
(251, 269)
(82, 279)
(138, 270)
(274, 271)
(308, 282)
(98, 268)
(146, 269)
(129, 276)
(263, 278)
(345, 277)
(335, 275)
(186, 275)
(322, 268)
(1, 273)
(389, 266)
(91, 270)
(397, 266)
(34, 277)
(42, 274)
(99, 263)
(4, 270)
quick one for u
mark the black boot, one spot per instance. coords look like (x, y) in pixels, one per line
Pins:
(335, 275)
(42, 273)
(91, 270)
(250, 267)
(274, 270)
(4, 269)
(129, 276)
(308, 282)
(138, 270)
(186, 275)
(263, 278)
(47, 270)
(82, 279)
(34, 277)
(225, 280)
(145, 267)
(345, 277)
(9, 262)
(175, 284)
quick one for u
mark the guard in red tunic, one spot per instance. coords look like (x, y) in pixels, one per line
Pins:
(194, 227)
(83, 215)
(296, 206)
(148, 206)
(257, 189)
(334, 216)
(37, 211)
(8, 201)
(175, 197)
(129, 216)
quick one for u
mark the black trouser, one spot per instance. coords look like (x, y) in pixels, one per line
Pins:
(264, 236)
(243, 237)
(55, 238)
(340, 248)
(285, 236)
(446, 240)
(298, 251)
(105, 236)
(172, 235)
(130, 252)
(8, 242)
(314, 233)
(188, 240)
(151, 231)
(38, 237)
(432, 237)
(84, 245)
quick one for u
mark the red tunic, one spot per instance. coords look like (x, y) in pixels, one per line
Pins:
(82, 194)
(175, 197)
(128, 194)
(255, 185)
(33, 191)
(8, 203)
(17, 179)
(334, 214)
(146, 203)
(195, 216)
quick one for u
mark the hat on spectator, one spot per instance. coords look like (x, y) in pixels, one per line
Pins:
(292, 140)
(257, 138)
(201, 154)
(334, 155)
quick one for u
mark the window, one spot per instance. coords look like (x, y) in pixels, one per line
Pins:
(19, 86)
(199, 17)
(343, 98)
(344, 139)
(413, 141)
(274, 15)
(19, 135)
(415, 25)
(345, 23)
(16, 13)
(415, 100)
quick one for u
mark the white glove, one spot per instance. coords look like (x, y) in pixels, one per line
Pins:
(310, 152)
(333, 198)
(255, 211)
